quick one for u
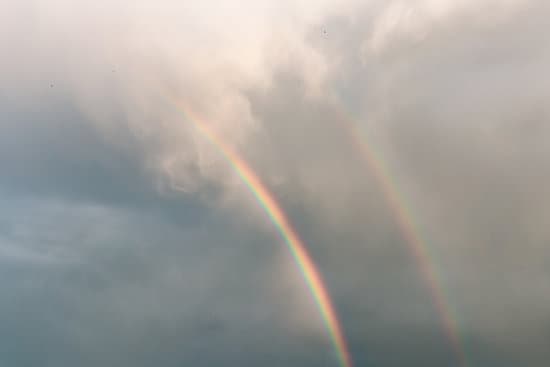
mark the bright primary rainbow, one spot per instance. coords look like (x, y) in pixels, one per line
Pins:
(417, 246)
(299, 252)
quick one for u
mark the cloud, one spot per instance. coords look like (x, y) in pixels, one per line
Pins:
(126, 238)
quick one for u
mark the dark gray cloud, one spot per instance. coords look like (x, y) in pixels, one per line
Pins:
(123, 287)
(125, 239)
(50, 148)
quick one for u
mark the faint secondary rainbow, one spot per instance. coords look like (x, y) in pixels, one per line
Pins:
(417, 247)
(299, 252)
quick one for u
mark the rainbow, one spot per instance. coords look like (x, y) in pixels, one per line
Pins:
(276, 215)
(410, 232)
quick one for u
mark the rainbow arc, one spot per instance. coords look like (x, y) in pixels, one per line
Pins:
(299, 252)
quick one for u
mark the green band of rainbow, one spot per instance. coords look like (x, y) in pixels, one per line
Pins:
(299, 252)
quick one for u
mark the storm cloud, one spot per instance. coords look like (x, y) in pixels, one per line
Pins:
(126, 239)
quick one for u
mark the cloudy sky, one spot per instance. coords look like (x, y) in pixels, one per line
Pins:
(127, 239)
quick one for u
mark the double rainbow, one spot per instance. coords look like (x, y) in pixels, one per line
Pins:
(397, 204)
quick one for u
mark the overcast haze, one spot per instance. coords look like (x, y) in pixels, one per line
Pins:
(126, 238)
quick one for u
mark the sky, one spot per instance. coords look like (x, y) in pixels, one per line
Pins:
(406, 142)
